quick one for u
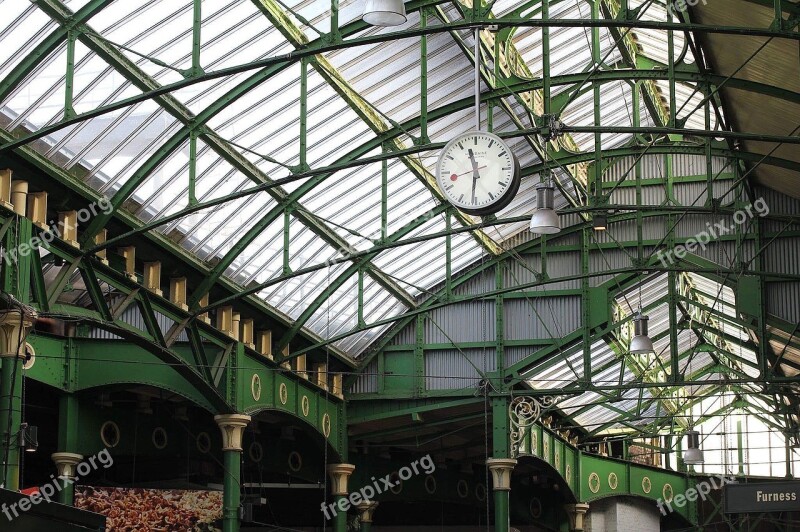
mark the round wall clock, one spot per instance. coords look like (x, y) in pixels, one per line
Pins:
(478, 173)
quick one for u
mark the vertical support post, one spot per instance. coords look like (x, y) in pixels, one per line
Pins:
(500, 465)
(366, 511)
(671, 71)
(232, 428)
(384, 195)
(192, 168)
(69, 111)
(196, 42)
(303, 113)
(67, 459)
(546, 59)
(339, 474)
(577, 515)
(287, 221)
(501, 469)
(740, 447)
(477, 58)
(423, 78)
(335, 19)
(14, 327)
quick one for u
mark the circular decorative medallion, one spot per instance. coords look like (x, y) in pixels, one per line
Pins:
(646, 485)
(430, 484)
(557, 459)
(295, 461)
(462, 488)
(480, 492)
(397, 483)
(594, 483)
(568, 474)
(256, 452)
(613, 481)
(546, 450)
(109, 434)
(535, 508)
(326, 425)
(667, 492)
(304, 405)
(283, 393)
(255, 387)
(159, 438)
(203, 442)
(534, 442)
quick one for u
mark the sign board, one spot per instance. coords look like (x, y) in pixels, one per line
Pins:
(762, 497)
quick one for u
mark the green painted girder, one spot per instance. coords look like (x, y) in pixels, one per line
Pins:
(327, 45)
(143, 81)
(626, 43)
(334, 284)
(190, 360)
(275, 13)
(46, 47)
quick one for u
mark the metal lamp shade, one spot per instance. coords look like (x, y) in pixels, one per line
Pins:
(693, 455)
(599, 221)
(641, 343)
(384, 12)
(544, 220)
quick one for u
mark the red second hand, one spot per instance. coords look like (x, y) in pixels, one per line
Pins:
(456, 176)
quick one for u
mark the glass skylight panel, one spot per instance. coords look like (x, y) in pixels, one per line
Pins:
(22, 27)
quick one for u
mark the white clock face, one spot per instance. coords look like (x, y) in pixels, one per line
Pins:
(477, 173)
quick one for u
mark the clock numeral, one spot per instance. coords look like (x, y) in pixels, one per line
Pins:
(490, 143)
(503, 153)
(460, 145)
(461, 197)
(491, 196)
(449, 187)
(450, 157)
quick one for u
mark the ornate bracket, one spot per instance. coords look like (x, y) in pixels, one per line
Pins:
(523, 412)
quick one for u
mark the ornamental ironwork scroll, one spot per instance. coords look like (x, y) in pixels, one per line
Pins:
(523, 412)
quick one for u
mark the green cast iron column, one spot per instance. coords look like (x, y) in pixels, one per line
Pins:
(14, 324)
(232, 427)
(500, 464)
(339, 474)
(10, 419)
(68, 457)
(231, 491)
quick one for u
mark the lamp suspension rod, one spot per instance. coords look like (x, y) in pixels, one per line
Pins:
(477, 79)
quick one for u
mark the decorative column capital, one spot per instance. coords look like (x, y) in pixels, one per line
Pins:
(577, 514)
(366, 510)
(339, 474)
(66, 463)
(14, 327)
(501, 469)
(232, 427)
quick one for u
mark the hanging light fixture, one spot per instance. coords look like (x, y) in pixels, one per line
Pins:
(545, 220)
(641, 343)
(600, 221)
(384, 12)
(693, 454)
(28, 437)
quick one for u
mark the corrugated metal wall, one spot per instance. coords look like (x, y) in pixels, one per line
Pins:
(132, 316)
(541, 318)
(783, 300)
(367, 382)
(450, 368)
(473, 321)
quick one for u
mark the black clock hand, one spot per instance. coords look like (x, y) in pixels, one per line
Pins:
(475, 174)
